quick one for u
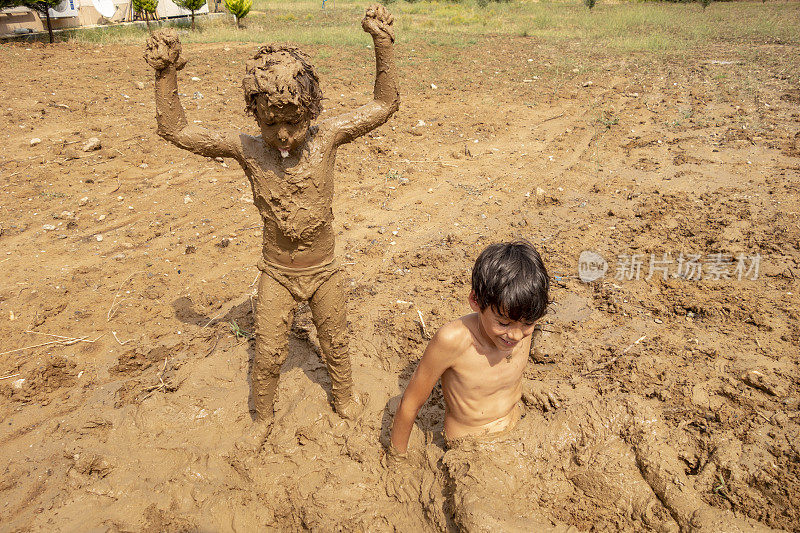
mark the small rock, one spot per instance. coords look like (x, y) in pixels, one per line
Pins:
(780, 418)
(91, 145)
(83, 201)
(144, 165)
(65, 215)
(224, 243)
(433, 86)
(101, 218)
(17, 384)
(588, 84)
(658, 321)
(48, 227)
(187, 199)
(99, 237)
(190, 249)
(195, 78)
(35, 141)
(197, 95)
(420, 124)
(140, 85)
(759, 380)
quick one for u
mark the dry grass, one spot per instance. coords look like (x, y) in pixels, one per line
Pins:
(626, 27)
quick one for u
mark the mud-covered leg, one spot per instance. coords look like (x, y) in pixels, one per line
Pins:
(274, 313)
(329, 313)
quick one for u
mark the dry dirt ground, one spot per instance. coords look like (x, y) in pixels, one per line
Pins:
(146, 255)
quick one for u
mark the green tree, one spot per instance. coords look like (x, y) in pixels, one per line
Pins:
(191, 5)
(42, 7)
(239, 9)
(148, 7)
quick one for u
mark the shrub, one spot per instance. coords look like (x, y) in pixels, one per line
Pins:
(191, 5)
(147, 7)
(239, 9)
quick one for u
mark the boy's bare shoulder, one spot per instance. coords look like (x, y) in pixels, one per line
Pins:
(454, 338)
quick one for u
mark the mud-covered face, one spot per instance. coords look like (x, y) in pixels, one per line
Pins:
(500, 330)
(284, 128)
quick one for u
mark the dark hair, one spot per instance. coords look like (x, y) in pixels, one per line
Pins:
(511, 279)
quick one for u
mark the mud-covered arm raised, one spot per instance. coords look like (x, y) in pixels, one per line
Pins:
(386, 100)
(163, 53)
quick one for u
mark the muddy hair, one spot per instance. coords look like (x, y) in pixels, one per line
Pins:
(512, 280)
(285, 76)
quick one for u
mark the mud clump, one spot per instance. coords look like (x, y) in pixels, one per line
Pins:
(148, 373)
(57, 373)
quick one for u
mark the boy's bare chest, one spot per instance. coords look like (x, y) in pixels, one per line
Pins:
(489, 374)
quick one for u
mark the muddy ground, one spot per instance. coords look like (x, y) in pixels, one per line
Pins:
(147, 254)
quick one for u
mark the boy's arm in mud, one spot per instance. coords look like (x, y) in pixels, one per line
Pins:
(442, 351)
(163, 53)
(386, 100)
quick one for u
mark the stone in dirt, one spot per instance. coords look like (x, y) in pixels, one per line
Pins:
(92, 144)
(763, 382)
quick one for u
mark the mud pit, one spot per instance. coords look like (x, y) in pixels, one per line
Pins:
(153, 251)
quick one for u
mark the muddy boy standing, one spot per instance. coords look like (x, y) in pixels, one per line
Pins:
(290, 167)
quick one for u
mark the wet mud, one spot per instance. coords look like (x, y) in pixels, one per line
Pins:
(137, 429)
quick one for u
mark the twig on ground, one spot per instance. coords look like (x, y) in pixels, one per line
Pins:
(119, 341)
(434, 161)
(63, 342)
(10, 376)
(422, 323)
(552, 118)
(212, 320)
(640, 339)
(114, 301)
(216, 341)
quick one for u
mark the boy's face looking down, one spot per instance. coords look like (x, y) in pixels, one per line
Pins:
(282, 127)
(499, 330)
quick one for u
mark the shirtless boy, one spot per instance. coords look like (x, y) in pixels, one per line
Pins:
(509, 471)
(290, 168)
(480, 357)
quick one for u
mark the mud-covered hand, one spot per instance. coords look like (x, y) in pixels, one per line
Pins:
(538, 396)
(164, 49)
(404, 475)
(378, 22)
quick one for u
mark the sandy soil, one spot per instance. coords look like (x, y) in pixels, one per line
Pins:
(147, 254)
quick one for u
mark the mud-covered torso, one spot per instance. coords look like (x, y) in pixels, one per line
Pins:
(294, 196)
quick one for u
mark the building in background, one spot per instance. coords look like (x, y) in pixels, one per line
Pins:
(76, 13)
